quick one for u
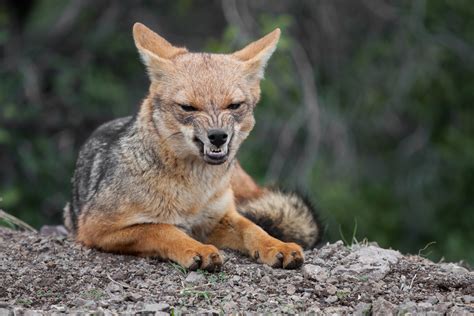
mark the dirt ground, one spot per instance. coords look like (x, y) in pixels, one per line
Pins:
(51, 274)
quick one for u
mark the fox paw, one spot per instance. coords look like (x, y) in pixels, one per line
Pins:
(206, 258)
(282, 255)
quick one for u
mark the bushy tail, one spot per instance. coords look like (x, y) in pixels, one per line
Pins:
(286, 216)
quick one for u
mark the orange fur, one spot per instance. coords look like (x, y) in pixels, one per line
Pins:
(236, 232)
(243, 185)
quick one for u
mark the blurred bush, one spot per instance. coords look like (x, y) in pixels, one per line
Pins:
(367, 105)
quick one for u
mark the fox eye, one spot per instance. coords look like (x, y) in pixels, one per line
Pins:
(234, 106)
(188, 108)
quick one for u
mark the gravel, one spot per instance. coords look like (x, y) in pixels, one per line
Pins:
(51, 274)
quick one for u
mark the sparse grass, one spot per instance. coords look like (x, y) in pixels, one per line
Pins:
(5, 223)
(363, 278)
(196, 293)
(342, 294)
(213, 277)
(93, 294)
(24, 301)
(13, 222)
(200, 291)
(217, 278)
(182, 270)
(354, 240)
(420, 252)
(43, 293)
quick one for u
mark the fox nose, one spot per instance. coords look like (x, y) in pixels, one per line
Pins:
(217, 137)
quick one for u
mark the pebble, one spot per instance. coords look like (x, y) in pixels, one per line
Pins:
(5, 312)
(382, 307)
(156, 307)
(315, 272)
(194, 277)
(331, 289)
(113, 287)
(134, 297)
(331, 299)
(362, 309)
(468, 299)
(291, 289)
(265, 280)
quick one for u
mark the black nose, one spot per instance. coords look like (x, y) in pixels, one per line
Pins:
(217, 137)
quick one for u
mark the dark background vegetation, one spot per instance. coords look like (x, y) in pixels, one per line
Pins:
(367, 105)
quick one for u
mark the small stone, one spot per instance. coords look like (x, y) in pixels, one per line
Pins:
(468, 299)
(432, 300)
(156, 307)
(5, 312)
(336, 310)
(79, 301)
(331, 289)
(91, 304)
(18, 311)
(424, 307)
(58, 308)
(230, 307)
(113, 287)
(459, 310)
(32, 312)
(290, 289)
(314, 310)
(442, 307)
(265, 280)
(382, 307)
(362, 309)
(453, 268)
(116, 299)
(315, 272)
(134, 297)
(331, 299)
(407, 308)
(119, 276)
(370, 262)
(104, 304)
(235, 279)
(194, 277)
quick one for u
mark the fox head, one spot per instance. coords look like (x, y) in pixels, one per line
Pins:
(202, 104)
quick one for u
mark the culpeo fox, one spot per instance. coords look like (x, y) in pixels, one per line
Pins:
(166, 182)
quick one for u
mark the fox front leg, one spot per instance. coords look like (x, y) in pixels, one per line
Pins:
(234, 231)
(156, 240)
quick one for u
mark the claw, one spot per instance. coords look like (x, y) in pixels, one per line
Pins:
(296, 263)
(196, 264)
(279, 262)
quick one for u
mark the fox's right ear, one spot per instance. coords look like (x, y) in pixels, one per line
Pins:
(155, 51)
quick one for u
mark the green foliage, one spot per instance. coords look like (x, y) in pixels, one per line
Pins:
(394, 148)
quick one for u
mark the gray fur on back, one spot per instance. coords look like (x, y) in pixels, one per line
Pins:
(97, 162)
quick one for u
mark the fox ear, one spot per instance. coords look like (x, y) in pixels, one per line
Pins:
(155, 51)
(256, 54)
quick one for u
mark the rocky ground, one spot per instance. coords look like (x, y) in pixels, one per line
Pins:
(52, 274)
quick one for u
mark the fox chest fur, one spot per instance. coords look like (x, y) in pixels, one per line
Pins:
(195, 202)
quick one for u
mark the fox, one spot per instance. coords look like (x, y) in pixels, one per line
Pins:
(166, 182)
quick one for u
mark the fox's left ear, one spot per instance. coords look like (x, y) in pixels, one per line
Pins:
(256, 54)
